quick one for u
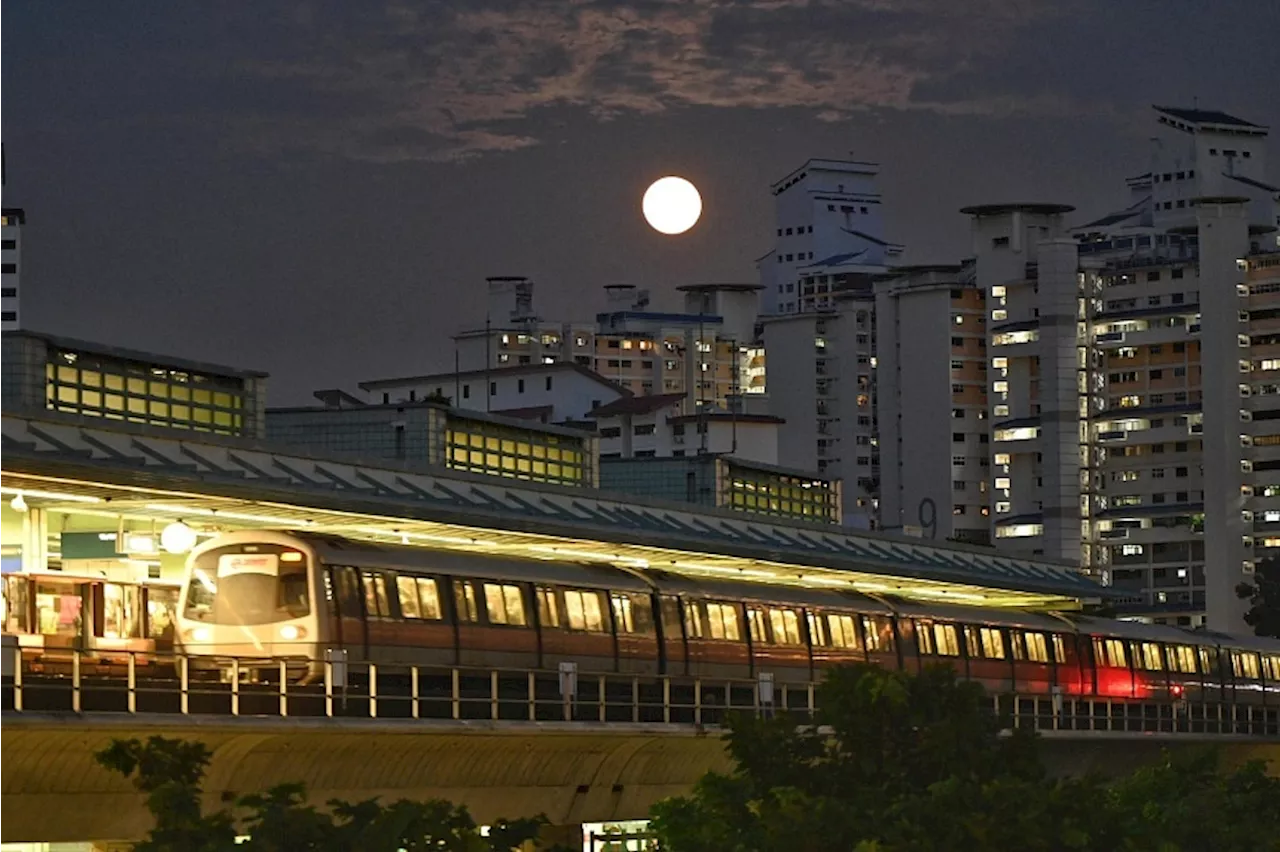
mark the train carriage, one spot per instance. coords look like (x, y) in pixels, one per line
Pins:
(273, 596)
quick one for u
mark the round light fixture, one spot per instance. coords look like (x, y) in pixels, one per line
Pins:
(18, 503)
(177, 537)
(671, 205)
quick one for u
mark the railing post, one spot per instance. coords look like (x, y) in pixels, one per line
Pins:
(284, 688)
(235, 686)
(635, 698)
(601, 696)
(493, 694)
(17, 679)
(184, 686)
(133, 683)
(456, 697)
(532, 691)
(666, 700)
(328, 687)
(75, 681)
(697, 702)
(813, 700)
(413, 691)
(373, 690)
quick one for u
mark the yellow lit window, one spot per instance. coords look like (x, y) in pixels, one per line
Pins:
(722, 621)
(503, 604)
(583, 611)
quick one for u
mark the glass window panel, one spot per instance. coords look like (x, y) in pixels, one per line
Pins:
(429, 598)
(1037, 650)
(515, 605)
(464, 594)
(58, 609)
(375, 595)
(548, 611)
(693, 621)
(408, 591)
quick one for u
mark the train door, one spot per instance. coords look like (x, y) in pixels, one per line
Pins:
(161, 610)
(637, 634)
(675, 660)
(347, 620)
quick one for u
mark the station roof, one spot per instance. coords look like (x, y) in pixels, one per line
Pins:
(117, 469)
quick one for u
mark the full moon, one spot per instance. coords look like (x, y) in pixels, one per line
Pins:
(672, 205)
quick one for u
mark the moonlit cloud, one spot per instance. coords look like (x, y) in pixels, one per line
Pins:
(437, 81)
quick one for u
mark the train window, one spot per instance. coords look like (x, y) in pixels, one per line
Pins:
(971, 642)
(548, 608)
(504, 604)
(992, 643)
(583, 611)
(817, 630)
(1059, 648)
(1271, 667)
(375, 595)
(1182, 658)
(464, 600)
(1151, 657)
(1208, 660)
(879, 633)
(722, 621)
(924, 637)
(1244, 664)
(15, 605)
(162, 610)
(348, 591)
(419, 597)
(786, 626)
(945, 638)
(756, 623)
(1016, 646)
(121, 611)
(58, 609)
(844, 633)
(693, 620)
(671, 618)
(633, 614)
(1037, 652)
(1110, 652)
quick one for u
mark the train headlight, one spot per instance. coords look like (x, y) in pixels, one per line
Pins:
(291, 632)
(201, 634)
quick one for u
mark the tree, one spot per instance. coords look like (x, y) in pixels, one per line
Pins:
(1264, 598)
(901, 762)
(170, 772)
(438, 396)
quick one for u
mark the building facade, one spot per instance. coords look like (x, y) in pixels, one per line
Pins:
(44, 372)
(662, 426)
(11, 224)
(428, 433)
(728, 483)
(824, 386)
(558, 392)
(704, 352)
(829, 228)
(932, 349)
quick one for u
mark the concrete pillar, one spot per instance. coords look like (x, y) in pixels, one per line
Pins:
(1224, 239)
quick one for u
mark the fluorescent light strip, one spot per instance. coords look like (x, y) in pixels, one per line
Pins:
(50, 495)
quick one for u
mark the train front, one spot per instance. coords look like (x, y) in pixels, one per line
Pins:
(251, 596)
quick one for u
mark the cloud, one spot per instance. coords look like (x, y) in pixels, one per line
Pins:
(450, 80)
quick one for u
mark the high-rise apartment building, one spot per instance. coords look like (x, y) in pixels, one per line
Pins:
(829, 226)
(705, 352)
(822, 364)
(11, 222)
(931, 349)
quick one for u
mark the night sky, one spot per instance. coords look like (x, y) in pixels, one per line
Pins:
(318, 189)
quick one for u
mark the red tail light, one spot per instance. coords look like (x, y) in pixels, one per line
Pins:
(1176, 690)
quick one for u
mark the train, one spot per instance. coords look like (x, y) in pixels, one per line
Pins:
(57, 615)
(271, 596)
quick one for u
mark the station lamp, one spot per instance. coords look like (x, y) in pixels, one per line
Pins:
(177, 537)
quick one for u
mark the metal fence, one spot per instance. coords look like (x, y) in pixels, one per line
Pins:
(81, 684)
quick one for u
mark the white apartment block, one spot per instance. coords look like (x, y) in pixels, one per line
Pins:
(931, 348)
(558, 393)
(662, 426)
(705, 352)
(829, 226)
(11, 257)
(823, 385)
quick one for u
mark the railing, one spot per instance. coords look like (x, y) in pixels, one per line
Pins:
(79, 683)
(179, 685)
